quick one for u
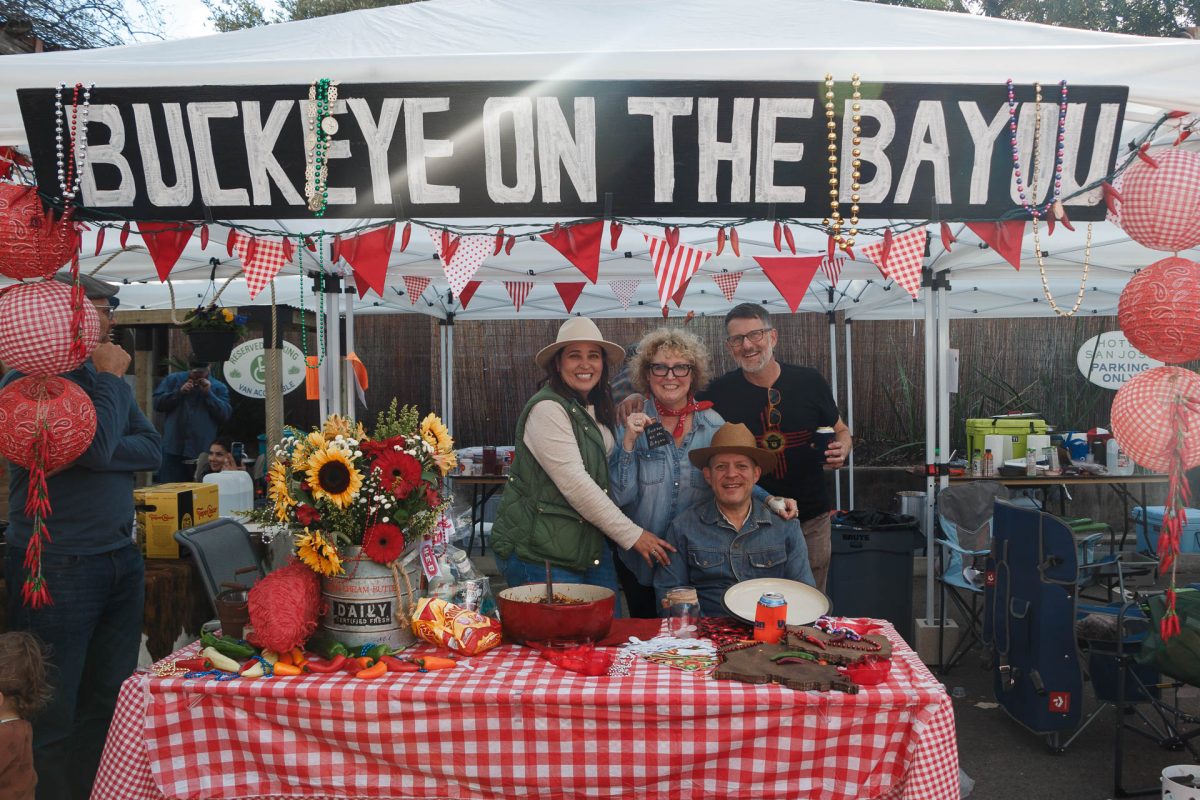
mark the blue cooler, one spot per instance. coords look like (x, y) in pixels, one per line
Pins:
(1147, 535)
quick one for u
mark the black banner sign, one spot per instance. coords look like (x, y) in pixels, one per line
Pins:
(710, 149)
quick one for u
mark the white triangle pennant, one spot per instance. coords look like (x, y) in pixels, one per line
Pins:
(832, 268)
(624, 290)
(673, 266)
(472, 251)
(518, 291)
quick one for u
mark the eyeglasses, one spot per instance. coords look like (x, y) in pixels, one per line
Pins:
(754, 336)
(106, 311)
(774, 417)
(678, 370)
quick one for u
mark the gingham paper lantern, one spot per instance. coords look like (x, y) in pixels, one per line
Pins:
(1142, 417)
(1159, 310)
(35, 328)
(29, 404)
(33, 244)
(1160, 201)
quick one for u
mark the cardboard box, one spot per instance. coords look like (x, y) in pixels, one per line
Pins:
(1015, 431)
(170, 507)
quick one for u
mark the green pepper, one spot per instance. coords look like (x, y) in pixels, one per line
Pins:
(227, 645)
(379, 651)
(327, 647)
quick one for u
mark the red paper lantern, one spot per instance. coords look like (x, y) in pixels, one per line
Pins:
(36, 331)
(33, 403)
(32, 243)
(1159, 310)
(1160, 199)
(1142, 415)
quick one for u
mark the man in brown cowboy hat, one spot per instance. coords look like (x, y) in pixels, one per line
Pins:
(733, 537)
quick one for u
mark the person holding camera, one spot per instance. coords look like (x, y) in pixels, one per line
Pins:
(195, 405)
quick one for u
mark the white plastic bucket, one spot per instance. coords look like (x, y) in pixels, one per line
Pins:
(1173, 789)
(235, 491)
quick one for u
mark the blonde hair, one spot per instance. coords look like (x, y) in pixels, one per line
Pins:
(672, 340)
(23, 672)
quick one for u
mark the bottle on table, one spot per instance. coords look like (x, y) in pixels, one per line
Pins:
(988, 465)
(1030, 463)
(977, 464)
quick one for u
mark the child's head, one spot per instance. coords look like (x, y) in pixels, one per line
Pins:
(24, 687)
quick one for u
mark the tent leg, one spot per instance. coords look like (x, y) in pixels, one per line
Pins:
(930, 446)
(850, 415)
(833, 385)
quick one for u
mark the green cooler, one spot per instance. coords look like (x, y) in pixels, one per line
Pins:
(1017, 429)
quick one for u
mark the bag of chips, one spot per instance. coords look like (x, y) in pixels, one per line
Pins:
(446, 625)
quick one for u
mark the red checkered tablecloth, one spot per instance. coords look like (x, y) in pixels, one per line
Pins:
(508, 723)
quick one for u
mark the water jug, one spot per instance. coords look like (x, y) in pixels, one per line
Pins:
(235, 491)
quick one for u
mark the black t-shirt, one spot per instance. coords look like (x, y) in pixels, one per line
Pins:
(805, 404)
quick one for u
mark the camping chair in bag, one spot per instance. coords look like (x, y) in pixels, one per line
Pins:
(964, 516)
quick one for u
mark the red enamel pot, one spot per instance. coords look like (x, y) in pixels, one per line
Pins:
(526, 617)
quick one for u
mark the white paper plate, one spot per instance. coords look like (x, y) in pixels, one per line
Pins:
(804, 603)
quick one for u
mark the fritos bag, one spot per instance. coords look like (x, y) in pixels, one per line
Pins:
(454, 627)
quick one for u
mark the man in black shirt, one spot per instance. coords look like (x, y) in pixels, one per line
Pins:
(783, 405)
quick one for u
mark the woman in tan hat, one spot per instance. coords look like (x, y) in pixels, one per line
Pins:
(556, 506)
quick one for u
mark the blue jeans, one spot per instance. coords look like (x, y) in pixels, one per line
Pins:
(518, 572)
(94, 631)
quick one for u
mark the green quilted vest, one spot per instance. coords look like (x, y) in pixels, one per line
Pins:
(535, 521)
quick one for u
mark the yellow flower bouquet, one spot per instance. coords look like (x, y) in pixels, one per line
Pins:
(338, 486)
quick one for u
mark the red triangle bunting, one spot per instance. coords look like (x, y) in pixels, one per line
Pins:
(468, 292)
(1003, 237)
(165, 242)
(791, 275)
(368, 256)
(677, 298)
(580, 244)
(569, 292)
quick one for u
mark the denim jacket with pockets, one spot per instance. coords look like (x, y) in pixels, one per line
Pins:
(712, 556)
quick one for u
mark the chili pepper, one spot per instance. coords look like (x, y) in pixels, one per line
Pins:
(203, 236)
(124, 234)
(733, 242)
(399, 665)
(297, 656)
(720, 240)
(256, 667)
(947, 237)
(356, 664)
(376, 670)
(791, 240)
(508, 246)
(405, 235)
(282, 668)
(614, 233)
(220, 660)
(808, 637)
(327, 647)
(324, 667)
(430, 663)
(99, 240)
(777, 235)
(499, 242)
(830, 246)
(198, 664)
(885, 249)
(793, 657)
(289, 249)
(283, 658)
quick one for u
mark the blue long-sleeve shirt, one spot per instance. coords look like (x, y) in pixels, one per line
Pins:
(712, 556)
(92, 500)
(192, 419)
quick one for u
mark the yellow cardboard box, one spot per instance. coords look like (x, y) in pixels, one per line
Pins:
(170, 507)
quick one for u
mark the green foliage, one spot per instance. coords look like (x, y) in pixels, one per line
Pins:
(234, 15)
(396, 421)
(1141, 17)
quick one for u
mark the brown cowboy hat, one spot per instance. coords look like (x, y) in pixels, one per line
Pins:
(733, 437)
(578, 330)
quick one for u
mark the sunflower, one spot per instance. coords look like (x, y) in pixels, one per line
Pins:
(336, 425)
(318, 553)
(434, 432)
(278, 492)
(445, 462)
(332, 475)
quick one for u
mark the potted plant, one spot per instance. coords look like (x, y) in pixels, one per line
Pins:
(213, 331)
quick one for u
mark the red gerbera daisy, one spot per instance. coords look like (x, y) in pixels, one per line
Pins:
(306, 514)
(376, 449)
(400, 473)
(383, 542)
(432, 498)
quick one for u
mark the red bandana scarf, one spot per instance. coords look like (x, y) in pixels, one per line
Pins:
(681, 414)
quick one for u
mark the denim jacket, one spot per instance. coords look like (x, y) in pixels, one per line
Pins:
(712, 556)
(652, 486)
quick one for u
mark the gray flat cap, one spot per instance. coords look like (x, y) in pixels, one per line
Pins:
(93, 288)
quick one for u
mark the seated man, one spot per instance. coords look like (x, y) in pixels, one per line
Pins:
(732, 537)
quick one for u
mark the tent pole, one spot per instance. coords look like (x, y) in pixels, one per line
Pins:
(322, 370)
(333, 355)
(448, 406)
(930, 428)
(347, 368)
(445, 388)
(833, 385)
(850, 414)
(943, 330)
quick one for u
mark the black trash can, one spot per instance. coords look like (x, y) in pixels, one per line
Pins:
(871, 569)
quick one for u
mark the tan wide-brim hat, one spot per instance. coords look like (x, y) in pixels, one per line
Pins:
(578, 330)
(733, 437)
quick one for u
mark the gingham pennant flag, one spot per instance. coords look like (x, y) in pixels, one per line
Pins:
(518, 291)
(268, 257)
(903, 259)
(727, 282)
(471, 253)
(624, 291)
(415, 285)
(832, 268)
(673, 267)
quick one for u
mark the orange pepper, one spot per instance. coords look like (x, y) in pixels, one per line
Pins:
(297, 656)
(282, 668)
(376, 671)
(285, 658)
(430, 663)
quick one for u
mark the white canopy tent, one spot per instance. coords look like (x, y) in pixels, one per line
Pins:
(557, 40)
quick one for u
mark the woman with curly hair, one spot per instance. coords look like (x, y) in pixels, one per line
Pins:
(652, 479)
(24, 689)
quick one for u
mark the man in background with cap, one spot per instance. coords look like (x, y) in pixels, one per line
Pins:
(732, 537)
(195, 406)
(91, 564)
